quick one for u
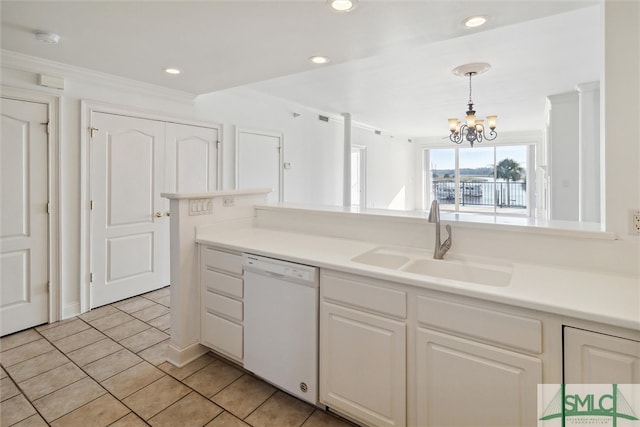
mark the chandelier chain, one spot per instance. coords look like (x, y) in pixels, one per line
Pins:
(470, 75)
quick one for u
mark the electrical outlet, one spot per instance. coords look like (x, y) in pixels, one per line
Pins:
(228, 201)
(634, 221)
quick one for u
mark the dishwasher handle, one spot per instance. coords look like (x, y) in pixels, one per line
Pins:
(275, 275)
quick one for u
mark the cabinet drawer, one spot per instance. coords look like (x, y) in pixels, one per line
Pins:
(222, 305)
(222, 334)
(219, 260)
(230, 285)
(487, 325)
(364, 295)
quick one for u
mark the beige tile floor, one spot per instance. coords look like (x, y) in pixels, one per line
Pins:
(107, 368)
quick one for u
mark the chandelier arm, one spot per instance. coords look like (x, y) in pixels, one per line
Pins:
(491, 135)
(457, 137)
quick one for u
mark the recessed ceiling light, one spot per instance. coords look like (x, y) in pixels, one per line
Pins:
(172, 71)
(319, 59)
(342, 5)
(49, 38)
(475, 21)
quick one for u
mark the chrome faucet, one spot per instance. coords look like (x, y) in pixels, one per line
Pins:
(434, 216)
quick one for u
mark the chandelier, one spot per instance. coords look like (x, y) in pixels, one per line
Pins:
(473, 129)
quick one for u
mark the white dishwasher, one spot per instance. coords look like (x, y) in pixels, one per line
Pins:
(281, 324)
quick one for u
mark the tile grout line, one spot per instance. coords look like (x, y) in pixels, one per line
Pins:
(215, 357)
(87, 375)
(143, 360)
(76, 365)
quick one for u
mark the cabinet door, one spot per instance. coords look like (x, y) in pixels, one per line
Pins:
(465, 383)
(362, 365)
(593, 358)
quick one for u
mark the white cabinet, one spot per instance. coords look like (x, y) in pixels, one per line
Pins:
(475, 366)
(596, 358)
(222, 307)
(465, 383)
(392, 355)
(363, 350)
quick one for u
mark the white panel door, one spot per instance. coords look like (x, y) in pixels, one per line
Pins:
(465, 383)
(191, 159)
(593, 358)
(258, 162)
(128, 222)
(191, 164)
(363, 365)
(24, 228)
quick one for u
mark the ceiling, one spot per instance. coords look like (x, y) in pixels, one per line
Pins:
(390, 66)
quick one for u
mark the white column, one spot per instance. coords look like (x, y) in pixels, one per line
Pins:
(563, 167)
(346, 188)
(620, 88)
(589, 151)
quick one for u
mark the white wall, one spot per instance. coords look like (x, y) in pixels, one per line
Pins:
(390, 169)
(313, 147)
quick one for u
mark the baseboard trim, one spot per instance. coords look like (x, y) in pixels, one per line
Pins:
(69, 311)
(180, 357)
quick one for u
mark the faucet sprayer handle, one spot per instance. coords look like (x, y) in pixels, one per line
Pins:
(446, 245)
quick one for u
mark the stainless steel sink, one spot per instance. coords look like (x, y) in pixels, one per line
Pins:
(483, 271)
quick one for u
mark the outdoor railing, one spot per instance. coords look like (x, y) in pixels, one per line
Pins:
(502, 194)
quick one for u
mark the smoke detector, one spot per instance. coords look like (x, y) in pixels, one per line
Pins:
(49, 38)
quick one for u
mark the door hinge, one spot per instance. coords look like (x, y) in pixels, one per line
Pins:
(48, 127)
(49, 208)
(49, 287)
(90, 205)
(218, 145)
(93, 131)
(90, 277)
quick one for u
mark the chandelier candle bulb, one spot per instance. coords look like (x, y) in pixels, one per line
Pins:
(471, 120)
(453, 125)
(492, 122)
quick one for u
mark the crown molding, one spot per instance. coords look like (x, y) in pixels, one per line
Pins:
(22, 62)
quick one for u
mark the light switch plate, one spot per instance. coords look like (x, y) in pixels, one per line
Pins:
(634, 221)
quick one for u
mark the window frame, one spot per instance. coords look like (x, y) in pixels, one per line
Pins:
(530, 166)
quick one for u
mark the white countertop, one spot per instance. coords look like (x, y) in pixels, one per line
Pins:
(593, 296)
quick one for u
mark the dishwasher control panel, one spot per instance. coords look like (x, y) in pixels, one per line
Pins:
(279, 268)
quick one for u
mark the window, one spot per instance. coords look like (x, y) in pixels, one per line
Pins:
(492, 180)
(358, 176)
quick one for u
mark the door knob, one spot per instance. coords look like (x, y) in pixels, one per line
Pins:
(158, 214)
(168, 213)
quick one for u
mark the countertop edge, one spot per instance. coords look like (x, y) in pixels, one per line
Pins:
(481, 292)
